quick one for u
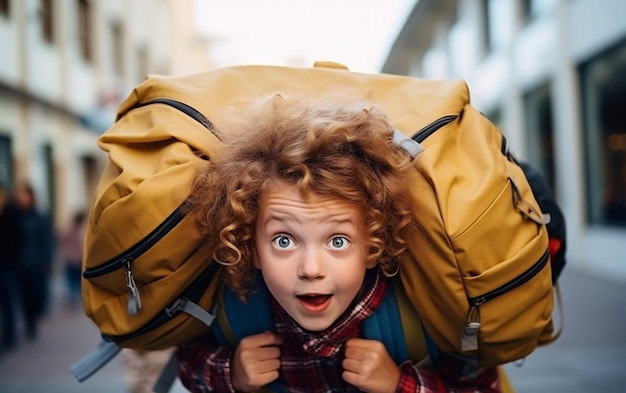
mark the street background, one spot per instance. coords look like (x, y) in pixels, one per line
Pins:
(549, 73)
(590, 355)
(66, 336)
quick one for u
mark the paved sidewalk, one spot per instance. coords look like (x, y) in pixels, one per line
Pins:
(590, 356)
(43, 365)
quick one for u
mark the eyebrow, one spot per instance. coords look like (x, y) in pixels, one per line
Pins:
(288, 217)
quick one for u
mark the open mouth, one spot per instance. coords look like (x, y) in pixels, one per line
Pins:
(314, 300)
(315, 303)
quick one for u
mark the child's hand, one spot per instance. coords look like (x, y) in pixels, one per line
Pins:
(369, 367)
(256, 361)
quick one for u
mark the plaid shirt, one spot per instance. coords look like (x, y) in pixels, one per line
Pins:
(311, 361)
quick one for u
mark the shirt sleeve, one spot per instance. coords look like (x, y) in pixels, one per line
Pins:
(204, 366)
(451, 374)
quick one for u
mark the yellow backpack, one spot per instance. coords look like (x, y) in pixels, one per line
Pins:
(481, 281)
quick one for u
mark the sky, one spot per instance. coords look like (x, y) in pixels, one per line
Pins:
(356, 33)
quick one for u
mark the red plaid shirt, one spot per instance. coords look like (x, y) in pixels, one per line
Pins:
(311, 361)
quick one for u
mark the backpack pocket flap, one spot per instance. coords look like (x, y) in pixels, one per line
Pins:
(501, 299)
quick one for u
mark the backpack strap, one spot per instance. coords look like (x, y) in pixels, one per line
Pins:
(95, 360)
(168, 375)
(237, 319)
(406, 339)
(394, 323)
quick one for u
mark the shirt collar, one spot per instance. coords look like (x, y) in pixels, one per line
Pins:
(330, 341)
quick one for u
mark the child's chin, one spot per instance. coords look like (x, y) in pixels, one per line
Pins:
(314, 326)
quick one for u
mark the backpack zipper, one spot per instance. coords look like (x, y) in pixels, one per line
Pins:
(186, 109)
(430, 129)
(469, 341)
(127, 258)
(192, 293)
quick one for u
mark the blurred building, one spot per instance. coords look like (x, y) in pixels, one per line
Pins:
(552, 75)
(67, 64)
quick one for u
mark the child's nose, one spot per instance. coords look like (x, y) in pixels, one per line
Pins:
(312, 265)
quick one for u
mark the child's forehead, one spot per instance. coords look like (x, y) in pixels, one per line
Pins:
(287, 204)
(279, 187)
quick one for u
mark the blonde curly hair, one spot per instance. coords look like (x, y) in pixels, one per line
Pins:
(327, 147)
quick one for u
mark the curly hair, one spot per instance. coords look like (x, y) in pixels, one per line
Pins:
(326, 147)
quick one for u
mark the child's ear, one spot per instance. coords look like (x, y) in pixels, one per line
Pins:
(371, 262)
(255, 261)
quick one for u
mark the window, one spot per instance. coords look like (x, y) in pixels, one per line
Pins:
(142, 63)
(486, 26)
(90, 175)
(48, 157)
(526, 7)
(604, 99)
(5, 7)
(84, 29)
(530, 9)
(6, 162)
(498, 29)
(539, 129)
(46, 14)
(117, 36)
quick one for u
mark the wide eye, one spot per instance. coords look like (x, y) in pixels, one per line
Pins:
(283, 242)
(339, 242)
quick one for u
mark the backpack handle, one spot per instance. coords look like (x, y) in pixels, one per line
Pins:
(330, 64)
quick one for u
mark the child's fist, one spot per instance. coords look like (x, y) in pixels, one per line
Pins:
(256, 361)
(368, 366)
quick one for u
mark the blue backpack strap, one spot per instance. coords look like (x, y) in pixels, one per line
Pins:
(238, 319)
(396, 324)
(383, 325)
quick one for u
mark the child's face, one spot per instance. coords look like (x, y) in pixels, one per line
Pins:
(311, 254)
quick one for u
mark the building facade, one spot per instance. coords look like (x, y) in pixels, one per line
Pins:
(552, 75)
(67, 64)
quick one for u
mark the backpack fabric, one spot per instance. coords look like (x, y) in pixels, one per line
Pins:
(142, 255)
(479, 276)
(556, 226)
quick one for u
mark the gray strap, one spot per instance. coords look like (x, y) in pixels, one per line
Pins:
(191, 308)
(167, 377)
(107, 350)
(408, 144)
(95, 360)
(170, 372)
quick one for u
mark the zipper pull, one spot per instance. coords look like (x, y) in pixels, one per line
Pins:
(469, 341)
(527, 209)
(134, 301)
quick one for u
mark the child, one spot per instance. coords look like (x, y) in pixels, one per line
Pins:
(311, 196)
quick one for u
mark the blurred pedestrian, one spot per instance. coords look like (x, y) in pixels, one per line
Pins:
(71, 252)
(10, 244)
(142, 369)
(35, 261)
